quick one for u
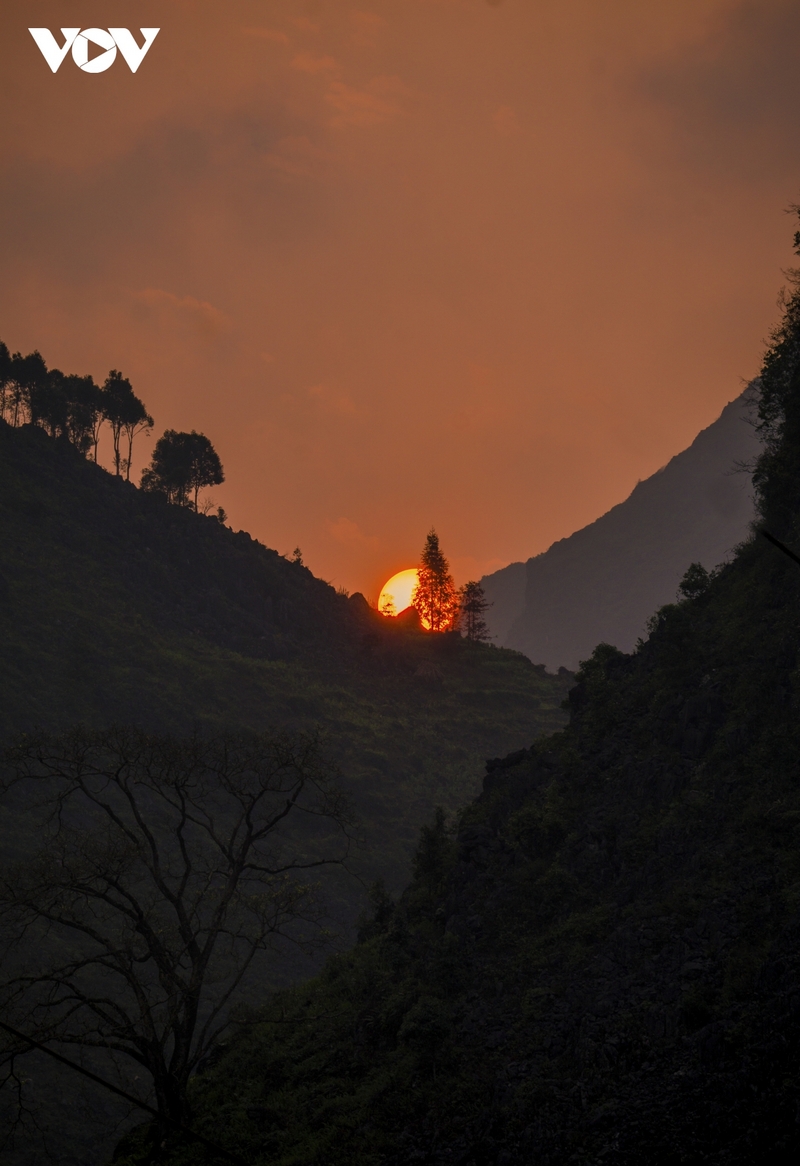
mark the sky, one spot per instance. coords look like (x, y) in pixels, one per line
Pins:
(479, 265)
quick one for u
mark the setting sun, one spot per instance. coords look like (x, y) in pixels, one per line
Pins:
(396, 594)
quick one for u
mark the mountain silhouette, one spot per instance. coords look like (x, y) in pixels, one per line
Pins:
(602, 583)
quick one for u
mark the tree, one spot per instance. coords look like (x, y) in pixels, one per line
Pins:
(164, 869)
(695, 581)
(83, 412)
(28, 382)
(434, 595)
(63, 405)
(5, 377)
(47, 399)
(182, 464)
(473, 606)
(126, 414)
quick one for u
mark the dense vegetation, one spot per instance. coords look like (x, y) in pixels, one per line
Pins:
(117, 607)
(598, 961)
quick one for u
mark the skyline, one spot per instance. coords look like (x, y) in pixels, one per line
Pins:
(478, 267)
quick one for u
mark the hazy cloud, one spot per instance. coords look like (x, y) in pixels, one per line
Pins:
(269, 34)
(367, 27)
(381, 100)
(520, 253)
(329, 399)
(350, 534)
(734, 95)
(209, 322)
(308, 63)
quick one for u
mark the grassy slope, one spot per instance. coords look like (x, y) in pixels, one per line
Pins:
(116, 607)
(604, 964)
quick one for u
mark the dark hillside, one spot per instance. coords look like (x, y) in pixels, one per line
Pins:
(115, 606)
(601, 964)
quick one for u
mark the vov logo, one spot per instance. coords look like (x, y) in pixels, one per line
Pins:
(107, 39)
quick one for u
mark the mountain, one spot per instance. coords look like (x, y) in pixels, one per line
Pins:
(602, 583)
(598, 961)
(117, 607)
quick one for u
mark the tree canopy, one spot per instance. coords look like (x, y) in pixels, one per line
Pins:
(435, 596)
(182, 464)
(474, 605)
(126, 415)
(67, 405)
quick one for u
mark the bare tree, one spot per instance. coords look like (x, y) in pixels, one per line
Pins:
(164, 868)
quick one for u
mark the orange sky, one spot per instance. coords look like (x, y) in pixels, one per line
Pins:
(409, 263)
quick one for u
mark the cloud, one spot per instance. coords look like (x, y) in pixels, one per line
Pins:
(308, 63)
(350, 534)
(168, 309)
(270, 34)
(733, 95)
(381, 100)
(299, 158)
(366, 27)
(331, 400)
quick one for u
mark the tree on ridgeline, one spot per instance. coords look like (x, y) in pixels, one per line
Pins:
(84, 413)
(126, 415)
(66, 406)
(435, 596)
(182, 465)
(5, 377)
(63, 404)
(164, 871)
(474, 605)
(28, 387)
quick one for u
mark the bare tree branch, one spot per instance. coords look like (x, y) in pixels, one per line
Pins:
(165, 869)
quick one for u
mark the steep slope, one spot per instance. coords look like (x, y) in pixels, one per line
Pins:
(603, 582)
(115, 606)
(601, 963)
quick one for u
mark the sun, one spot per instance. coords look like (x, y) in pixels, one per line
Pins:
(396, 594)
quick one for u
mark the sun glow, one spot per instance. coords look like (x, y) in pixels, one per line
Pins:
(396, 594)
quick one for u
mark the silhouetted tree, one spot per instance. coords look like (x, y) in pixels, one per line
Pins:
(28, 385)
(434, 595)
(83, 412)
(5, 377)
(182, 464)
(164, 870)
(694, 582)
(47, 399)
(126, 414)
(474, 605)
(64, 405)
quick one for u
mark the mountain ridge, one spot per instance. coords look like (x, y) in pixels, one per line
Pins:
(601, 583)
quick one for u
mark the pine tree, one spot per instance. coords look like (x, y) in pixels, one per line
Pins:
(435, 596)
(473, 605)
